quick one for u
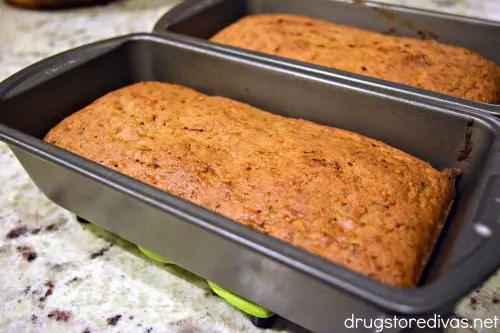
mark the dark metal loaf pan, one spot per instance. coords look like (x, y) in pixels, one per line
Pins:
(299, 286)
(201, 19)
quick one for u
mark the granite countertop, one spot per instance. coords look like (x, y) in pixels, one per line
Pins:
(62, 276)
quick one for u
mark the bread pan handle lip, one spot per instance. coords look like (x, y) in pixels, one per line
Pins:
(57, 64)
(181, 11)
(396, 300)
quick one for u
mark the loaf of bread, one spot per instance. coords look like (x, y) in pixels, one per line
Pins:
(347, 198)
(424, 64)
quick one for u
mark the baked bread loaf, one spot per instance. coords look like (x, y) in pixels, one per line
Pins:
(424, 64)
(350, 199)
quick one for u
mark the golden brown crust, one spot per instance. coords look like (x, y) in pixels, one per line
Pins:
(348, 198)
(423, 64)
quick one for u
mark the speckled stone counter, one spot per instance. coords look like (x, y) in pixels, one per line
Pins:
(58, 275)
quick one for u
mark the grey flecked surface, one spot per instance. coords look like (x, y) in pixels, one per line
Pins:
(60, 276)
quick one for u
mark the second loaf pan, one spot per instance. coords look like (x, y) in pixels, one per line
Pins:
(201, 19)
(306, 289)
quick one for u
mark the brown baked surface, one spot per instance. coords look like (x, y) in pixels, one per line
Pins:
(353, 200)
(424, 64)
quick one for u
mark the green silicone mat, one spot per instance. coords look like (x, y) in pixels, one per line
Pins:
(233, 299)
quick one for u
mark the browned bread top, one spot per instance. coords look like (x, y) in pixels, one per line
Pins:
(348, 198)
(424, 64)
